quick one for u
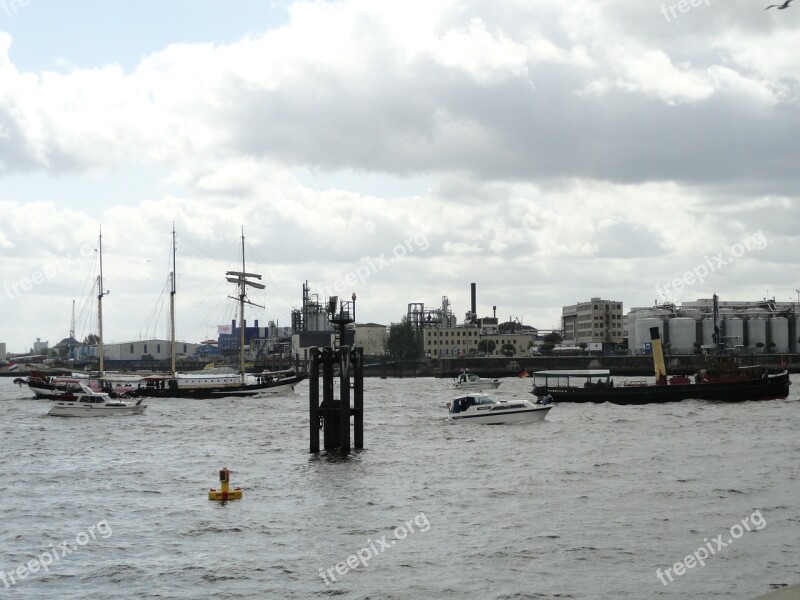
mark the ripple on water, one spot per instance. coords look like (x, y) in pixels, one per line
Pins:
(584, 505)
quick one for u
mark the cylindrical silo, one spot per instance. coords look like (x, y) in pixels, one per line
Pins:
(734, 332)
(757, 333)
(779, 333)
(643, 331)
(682, 335)
(708, 332)
(691, 313)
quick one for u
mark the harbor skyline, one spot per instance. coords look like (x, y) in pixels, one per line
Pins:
(549, 153)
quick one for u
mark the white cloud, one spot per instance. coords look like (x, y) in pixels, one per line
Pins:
(572, 149)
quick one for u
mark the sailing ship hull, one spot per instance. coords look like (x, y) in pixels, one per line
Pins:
(282, 386)
(771, 387)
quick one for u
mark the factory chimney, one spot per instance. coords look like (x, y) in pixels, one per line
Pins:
(474, 305)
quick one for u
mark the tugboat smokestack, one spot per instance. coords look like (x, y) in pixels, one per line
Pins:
(658, 357)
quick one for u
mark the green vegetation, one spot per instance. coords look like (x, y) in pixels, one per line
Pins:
(487, 346)
(404, 342)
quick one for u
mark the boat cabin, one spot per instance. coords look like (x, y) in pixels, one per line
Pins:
(464, 402)
(571, 379)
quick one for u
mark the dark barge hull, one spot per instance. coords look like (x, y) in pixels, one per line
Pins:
(206, 393)
(771, 388)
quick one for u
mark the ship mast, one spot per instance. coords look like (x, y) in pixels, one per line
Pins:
(241, 280)
(70, 350)
(172, 277)
(100, 293)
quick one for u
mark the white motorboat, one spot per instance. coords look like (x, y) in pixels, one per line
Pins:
(482, 408)
(471, 381)
(84, 402)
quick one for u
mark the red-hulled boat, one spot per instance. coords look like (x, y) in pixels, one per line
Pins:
(723, 383)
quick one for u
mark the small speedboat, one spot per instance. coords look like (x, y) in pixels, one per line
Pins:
(471, 381)
(85, 402)
(482, 408)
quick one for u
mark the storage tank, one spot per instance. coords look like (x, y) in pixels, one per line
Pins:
(779, 333)
(317, 321)
(691, 313)
(643, 331)
(734, 332)
(708, 332)
(757, 333)
(682, 335)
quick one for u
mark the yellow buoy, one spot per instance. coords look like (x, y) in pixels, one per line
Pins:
(225, 493)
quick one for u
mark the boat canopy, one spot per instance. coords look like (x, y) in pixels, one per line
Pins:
(575, 373)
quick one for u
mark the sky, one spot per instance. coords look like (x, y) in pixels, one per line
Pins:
(550, 152)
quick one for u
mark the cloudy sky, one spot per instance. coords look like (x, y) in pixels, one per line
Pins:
(548, 151)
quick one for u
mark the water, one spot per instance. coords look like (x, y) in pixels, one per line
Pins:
(587, 504)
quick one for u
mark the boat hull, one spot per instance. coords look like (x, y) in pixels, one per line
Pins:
(79, 409)
(283, 386)
(526, 415)
(477, 386)
(769, 388)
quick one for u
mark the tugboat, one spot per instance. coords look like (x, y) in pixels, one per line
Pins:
(721, 383)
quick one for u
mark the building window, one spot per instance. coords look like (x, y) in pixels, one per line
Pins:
(158, 348)
(145, 348)
(184, 348)
(131, 348)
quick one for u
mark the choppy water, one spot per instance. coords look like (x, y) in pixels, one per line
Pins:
(587, 504)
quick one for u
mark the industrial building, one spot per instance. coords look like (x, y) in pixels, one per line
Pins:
(597, 321)
(743, 327)
(443, 337)
(145, 350)
(371, 337)
(312, 327)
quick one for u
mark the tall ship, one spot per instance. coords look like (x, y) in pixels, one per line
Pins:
(722, 382)
(204, 385)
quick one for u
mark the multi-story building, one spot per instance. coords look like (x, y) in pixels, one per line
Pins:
(453, 342)
(595, 321)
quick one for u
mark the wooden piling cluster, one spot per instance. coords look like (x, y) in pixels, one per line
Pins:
(332, 415)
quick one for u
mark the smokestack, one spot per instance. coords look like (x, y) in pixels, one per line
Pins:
(494, 312)
(658, 357)
(474, 305)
